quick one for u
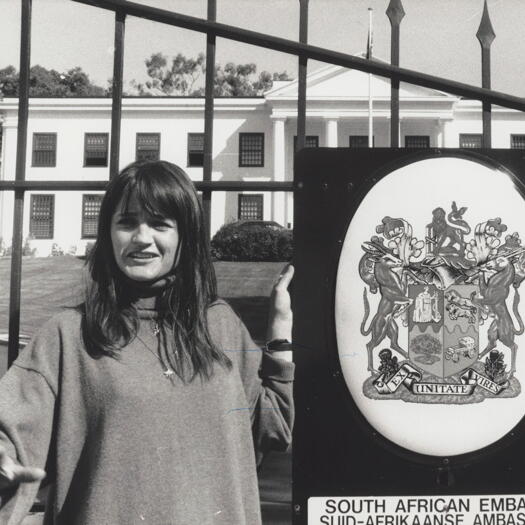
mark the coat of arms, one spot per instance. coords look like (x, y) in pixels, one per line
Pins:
(448, 294)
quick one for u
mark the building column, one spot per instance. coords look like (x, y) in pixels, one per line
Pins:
(450, 139)
(330, 132)
(278, 198)
(439, 133)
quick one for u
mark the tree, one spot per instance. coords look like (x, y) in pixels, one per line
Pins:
(8, 81)
(266, 80)
(50, 83)
(178, 79)
(182, 75)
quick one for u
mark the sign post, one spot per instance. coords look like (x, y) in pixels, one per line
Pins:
(408, 324)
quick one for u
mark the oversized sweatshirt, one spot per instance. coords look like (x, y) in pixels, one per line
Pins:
(123, 444)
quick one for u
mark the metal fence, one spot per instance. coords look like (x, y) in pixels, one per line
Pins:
(214, 29)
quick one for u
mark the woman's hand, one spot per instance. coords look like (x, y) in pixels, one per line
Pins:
(280, 318)
(12, 473)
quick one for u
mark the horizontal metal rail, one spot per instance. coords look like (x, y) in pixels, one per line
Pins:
(311, 52)
(76, 185)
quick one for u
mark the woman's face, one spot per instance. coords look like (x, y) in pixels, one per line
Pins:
(145, 246)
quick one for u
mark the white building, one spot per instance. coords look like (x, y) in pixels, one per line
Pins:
(68, 139)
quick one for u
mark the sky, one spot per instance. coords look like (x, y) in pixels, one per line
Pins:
(437, 36)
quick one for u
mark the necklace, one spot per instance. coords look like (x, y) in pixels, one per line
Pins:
(167, 371)
(154, 325)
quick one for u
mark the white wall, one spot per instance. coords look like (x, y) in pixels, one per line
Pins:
(70, 119)
(467, 119)
(7, 172)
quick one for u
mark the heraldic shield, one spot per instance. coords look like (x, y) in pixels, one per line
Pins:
(443, 328)
(440, 298)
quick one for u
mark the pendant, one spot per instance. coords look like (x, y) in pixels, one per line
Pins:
(155, 328)
(168, 372)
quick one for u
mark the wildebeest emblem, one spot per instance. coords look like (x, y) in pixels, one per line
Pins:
(448, 294)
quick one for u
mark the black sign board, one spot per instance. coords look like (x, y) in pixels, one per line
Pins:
(408, 328)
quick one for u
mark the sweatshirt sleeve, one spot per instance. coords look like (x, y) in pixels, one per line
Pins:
(27, 400)
(268, 385)
(269, 391)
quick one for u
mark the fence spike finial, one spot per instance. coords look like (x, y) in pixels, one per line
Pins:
(395, 12)
(485, 34)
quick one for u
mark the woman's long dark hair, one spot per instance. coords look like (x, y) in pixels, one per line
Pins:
(110, 323)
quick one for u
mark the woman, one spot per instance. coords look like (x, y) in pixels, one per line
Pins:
(141, 405)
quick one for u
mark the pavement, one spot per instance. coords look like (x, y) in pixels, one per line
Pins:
(275, 486)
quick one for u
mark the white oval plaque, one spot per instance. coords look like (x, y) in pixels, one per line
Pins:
(427, 307)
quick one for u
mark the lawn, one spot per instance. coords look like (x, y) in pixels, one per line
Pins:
(50, 283)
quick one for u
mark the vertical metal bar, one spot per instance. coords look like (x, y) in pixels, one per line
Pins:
(369, 46)
(395, 13)
(208, 114)
(486, 36)
(116, 92)
(301, 97)
(18, 215)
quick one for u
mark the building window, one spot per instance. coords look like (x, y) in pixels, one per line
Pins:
(417, 141)
(517, 141)
(250, 207)
(311, 141)
(359, 141)
(90, 212)
(96, 149)
(41, 224)
(251, 150)
(195, 150)
(44, 150)
(470, 140)
(148, 146)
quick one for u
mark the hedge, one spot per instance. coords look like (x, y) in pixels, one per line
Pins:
(256, 243)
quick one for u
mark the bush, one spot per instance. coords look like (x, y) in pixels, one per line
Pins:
(56, 250)
(27, 248)
(258, 242)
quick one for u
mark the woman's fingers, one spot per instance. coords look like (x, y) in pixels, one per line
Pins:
(280, 303)
(12, 473)
(285, 277)
(28, 474)
(6, 466)
(280, 317)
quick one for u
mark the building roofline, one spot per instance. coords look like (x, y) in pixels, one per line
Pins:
(134, 103)
(143, 97)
